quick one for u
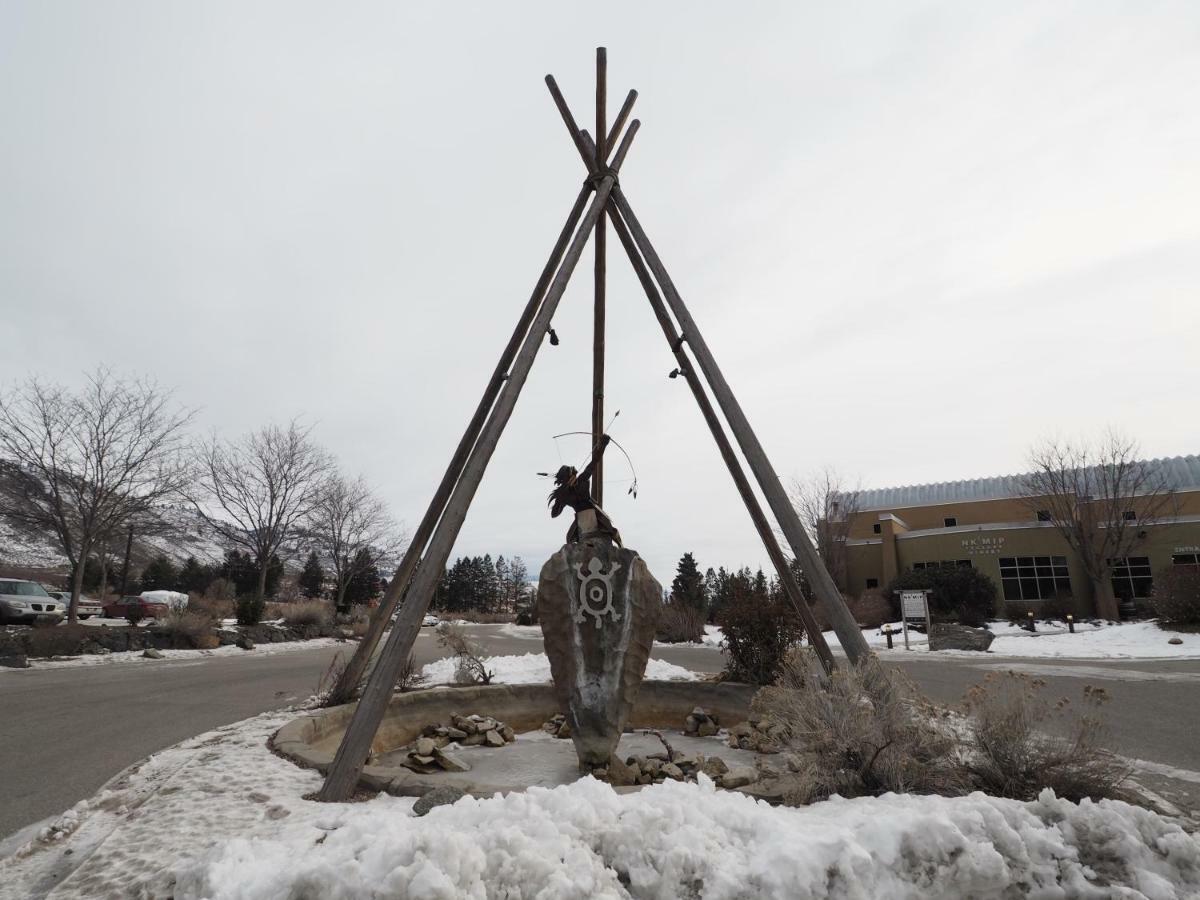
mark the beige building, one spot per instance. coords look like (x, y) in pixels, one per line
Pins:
(991, 525)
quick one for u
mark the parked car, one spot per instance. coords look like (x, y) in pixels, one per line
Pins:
(430, 621)
(27, 602)
(148, 609)
(85, 610)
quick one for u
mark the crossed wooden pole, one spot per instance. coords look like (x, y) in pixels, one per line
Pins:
(417, 576)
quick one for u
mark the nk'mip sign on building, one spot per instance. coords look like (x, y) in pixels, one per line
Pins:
(914, 605)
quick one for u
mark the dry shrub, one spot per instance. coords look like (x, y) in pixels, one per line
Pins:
(206, 642)
(314, 614)
(212, 608)
(411, 677)
(861, 731)
(1176, 597)
(468, 655)
(1014, 755)
(679, 623)
(56, 640)
(871, 609)
(187, 629)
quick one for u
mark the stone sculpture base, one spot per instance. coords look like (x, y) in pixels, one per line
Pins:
(598, 605)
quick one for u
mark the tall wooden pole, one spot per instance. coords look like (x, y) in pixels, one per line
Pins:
(599, 277)
(787, 579)
(847, 630)
(347, 683)
(356, 744)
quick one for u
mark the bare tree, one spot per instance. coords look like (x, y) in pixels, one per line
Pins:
(1100, 497)
(347, 519)
(826, 509)
(256, 492)
(90, 461)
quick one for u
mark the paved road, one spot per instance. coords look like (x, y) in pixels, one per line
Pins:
(64, 732)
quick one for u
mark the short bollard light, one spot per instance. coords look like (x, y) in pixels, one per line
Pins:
(1071, 623)
(1032, 624)
(887, 632)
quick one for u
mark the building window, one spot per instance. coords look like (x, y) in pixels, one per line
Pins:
(1185, 559)
(877, 528)
(950, 521)
(1131, 577)
(1043, 515)
(872, 583)
(1035, 577)
(1129, 515)
(943, 564)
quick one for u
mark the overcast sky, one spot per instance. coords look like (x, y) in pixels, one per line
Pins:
(917, 236)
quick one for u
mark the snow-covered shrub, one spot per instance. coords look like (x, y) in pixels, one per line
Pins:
(861, 731)
(1176, 597)
(469, 665)
(679, 623)
(1020, 743)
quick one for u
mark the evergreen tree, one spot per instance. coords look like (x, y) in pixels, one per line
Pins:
(194, 577)
(688, 586)
(312, 578)
(363, 585)
(160, 575)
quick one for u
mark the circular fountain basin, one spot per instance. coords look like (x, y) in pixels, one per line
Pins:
(534, 758)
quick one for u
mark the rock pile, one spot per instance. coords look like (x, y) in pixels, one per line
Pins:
(427, 753)
(756, 735)
(558, 727)
(701, 723)
(653, 768)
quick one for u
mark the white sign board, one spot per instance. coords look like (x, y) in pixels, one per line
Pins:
(913, 604)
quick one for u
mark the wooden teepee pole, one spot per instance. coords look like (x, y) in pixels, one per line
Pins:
(847, 630)
(355, 747)
(599, 277)
(347, 683)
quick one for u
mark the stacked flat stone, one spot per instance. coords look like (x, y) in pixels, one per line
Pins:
(427, 753)
(756, 735)
(558, 727)
(655, 768)
(701, 723)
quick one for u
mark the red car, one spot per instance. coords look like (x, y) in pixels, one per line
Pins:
(148, 609)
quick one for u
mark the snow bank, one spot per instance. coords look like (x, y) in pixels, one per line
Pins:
(1053, 640)
(135, 657)
(681, 840)
(534, 668)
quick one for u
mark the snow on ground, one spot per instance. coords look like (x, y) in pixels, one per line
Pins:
(220, 816)
(533, 668)
(1053, 640)
(136, 657)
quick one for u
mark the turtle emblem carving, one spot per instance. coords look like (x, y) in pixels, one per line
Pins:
(596, 592)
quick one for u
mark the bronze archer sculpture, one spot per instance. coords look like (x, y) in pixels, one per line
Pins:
(574, 489)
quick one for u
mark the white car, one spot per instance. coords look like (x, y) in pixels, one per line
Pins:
(430, 621)
(87, 606)
(27, 602)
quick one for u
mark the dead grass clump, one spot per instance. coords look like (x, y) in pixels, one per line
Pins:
(187, 629)
(411, 677)
(314, 614)
(1020, 742)
(468, 655)
(862, 731)
(679, 623)
(214, 608)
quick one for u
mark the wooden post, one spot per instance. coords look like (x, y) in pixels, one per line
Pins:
(847, 630)
(356, 744)
(347, 683)
(599, 278)
(790, 587)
